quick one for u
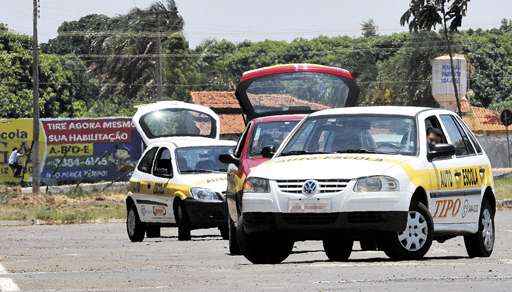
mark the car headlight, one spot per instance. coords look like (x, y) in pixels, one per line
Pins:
(256, 185)
(202, 194)
(378, 183)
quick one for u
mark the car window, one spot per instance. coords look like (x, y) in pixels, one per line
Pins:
(458, 138)
(146, 163)
(433, 122)
(471, 136)
(269, 134)
(241, 142)
(201, 159)
(163, 163)
(365, 133)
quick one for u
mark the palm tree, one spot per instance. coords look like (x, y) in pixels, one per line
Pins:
(428, 14)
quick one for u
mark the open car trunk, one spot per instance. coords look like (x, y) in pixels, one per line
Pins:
(295, 89)
(175, 118)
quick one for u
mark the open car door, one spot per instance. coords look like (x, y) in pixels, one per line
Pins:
(295, 89)
(166, 119)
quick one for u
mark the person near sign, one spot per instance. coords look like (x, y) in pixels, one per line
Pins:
(14, 161)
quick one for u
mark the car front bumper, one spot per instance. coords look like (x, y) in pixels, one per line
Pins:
(206, 214)
(304, 226)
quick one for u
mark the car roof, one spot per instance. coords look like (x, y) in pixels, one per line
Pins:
(179, 142)
(278, 118)
(378, 110)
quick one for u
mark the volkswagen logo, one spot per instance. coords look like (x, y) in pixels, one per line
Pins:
(310, 187)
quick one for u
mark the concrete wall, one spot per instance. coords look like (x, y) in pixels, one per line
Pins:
(496, 148)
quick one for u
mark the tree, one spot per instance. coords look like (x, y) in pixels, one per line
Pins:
(369, 28)
(428, 14)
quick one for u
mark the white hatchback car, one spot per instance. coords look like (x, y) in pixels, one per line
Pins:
(179, 180)
(368, 174)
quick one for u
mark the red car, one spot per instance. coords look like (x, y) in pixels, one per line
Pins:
(274, 99)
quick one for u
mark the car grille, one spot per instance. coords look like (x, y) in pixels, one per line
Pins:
(294, 186)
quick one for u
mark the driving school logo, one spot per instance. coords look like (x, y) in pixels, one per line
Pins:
(310, 187)
(468, 208)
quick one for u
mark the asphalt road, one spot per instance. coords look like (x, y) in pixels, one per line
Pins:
(99, 257)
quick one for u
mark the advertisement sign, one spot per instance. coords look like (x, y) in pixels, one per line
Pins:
(18, 134)
(90, 150)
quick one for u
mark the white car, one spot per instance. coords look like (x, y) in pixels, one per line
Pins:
(368, 174)
(178, 181)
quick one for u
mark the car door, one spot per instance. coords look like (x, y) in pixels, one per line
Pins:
(141, 183)
(163, 175)
(236, 176)
(455, 183)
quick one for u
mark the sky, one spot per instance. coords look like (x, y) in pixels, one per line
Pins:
(239, 20)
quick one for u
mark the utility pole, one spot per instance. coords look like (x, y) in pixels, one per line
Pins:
(159, 79)
(35, 104)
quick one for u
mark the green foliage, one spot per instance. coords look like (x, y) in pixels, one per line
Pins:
(427, 15)
(101, 66)
(122, 52)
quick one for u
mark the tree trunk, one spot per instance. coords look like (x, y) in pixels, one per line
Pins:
(452, 67)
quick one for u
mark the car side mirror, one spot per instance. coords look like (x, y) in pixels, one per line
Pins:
(229, 159)
(440, 150)
(268, 151)
(163, 172)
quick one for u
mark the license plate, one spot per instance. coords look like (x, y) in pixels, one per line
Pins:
(309, 206)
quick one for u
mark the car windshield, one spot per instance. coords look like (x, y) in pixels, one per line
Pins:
(201, 159)
(383, 134)
(297, 91)
(178, 122)
(269, 134)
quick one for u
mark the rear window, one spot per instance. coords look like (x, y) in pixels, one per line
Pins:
(302, 91)
(178, 122)
(269, 134)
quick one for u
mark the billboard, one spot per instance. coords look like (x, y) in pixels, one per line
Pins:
(18, 134)
(72, 150)
(90, 150)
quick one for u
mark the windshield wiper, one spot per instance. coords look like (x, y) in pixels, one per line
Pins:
(301, 152)
(357, 151)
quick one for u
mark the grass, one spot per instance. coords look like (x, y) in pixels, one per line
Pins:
(62, 209)
(503, 188)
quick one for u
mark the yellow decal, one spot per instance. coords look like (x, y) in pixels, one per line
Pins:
(70, 150)
(163, 189)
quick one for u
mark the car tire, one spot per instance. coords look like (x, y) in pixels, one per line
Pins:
(481, 244)
(234, 247)
(338, 249)
(134, 227)
(224, 232)
(415, 241)
(264, 247)
(183, 221)
(153, 232)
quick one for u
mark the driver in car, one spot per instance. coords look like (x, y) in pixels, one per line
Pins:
(434, 136)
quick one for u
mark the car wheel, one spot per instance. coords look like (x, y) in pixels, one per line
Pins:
(234, 248)
(263, 247)
(338, 249)
(481, 244)
(415, 241)
(183, 222)
(153, 232)
(134, 227)
(224, 232)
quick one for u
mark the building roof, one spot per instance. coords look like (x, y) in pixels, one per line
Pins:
(215, 99)
(481, 120)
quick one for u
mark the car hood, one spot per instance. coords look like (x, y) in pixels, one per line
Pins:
(328, 166)
(216, 182)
